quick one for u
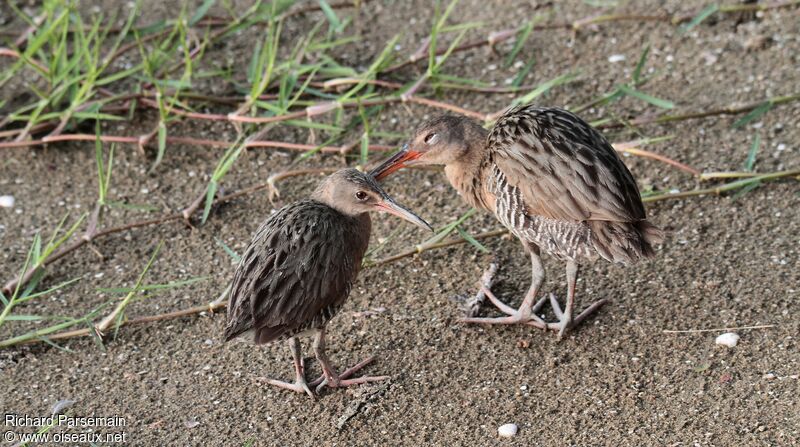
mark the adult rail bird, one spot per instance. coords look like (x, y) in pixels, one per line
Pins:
(300, 265)
(552, 180)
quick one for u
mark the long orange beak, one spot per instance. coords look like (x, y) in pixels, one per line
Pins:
(395, 163)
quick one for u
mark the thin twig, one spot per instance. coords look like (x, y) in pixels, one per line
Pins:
(183, 140)
(729, 110)
(443, 244)
(629, 147)
(722, 188)
(720, 329)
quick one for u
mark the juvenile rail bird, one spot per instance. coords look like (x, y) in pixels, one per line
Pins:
(299, 267)
(552, 180)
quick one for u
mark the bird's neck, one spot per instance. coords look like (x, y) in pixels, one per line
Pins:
(466, 172)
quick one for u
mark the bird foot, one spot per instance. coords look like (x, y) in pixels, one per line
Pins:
(529, 317)
(299, 386)
(333, 380)
(514, 316)
(566, 322)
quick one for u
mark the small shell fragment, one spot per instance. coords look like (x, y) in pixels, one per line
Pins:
(507, 430)
(6, 201)
(729, 339)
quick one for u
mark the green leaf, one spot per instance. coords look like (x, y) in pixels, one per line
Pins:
(468, 237)
(704, 14)
(751, 156)
(95, 336)
(523, 73)
(162, 143)
(658, 102)
(364, 148)
(522, 36)
(97, 116)
(45, 292)
(169, 285)
(546, 86)
(313, 125)
(447, 229)
(228, 250)
(745, 189)
(201, 12)
(98, 159)
(212, 189)
(252, 68)
(637, 72)
(335, 23)
(24, 318)
(756, 113)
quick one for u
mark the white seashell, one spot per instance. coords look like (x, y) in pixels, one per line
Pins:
(507, 430)
(6, 201)
(728, 339)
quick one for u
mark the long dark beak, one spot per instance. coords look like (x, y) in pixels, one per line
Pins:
(394, 163)
(392, 207)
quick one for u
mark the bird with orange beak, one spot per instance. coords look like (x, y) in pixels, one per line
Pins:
(552, 180)
(298, 270)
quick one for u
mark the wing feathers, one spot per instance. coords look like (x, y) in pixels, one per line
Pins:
(563, 167)
(296, 271)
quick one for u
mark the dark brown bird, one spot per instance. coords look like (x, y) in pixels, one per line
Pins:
(299, 268)
(553, 181)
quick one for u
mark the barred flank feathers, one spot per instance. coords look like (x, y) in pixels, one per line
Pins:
(625, 242)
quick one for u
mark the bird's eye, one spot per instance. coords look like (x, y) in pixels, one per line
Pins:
(361, 195)
(431, 138)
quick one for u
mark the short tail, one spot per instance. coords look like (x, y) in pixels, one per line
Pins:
(625, 242)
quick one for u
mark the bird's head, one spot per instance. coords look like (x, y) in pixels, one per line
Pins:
(353, 192)
(438, 141)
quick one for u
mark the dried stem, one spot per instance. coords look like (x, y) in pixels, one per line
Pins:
(629, 147)
(729, 110)
(720, 329)
(722, 188)
(182, 140)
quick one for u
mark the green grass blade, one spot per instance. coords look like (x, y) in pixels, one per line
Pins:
(700, 17)
(472, 241)
(637, 72)
(447, 229)
(20, 317)
(751, 155)
(522, 36)
(162, 143)
(745, 189)
(210, 192)
(658, 102)
(754, 114)
(546, 86)
(228, 250)
(142, 288)
(201, 12)
(330, 15)
(523, 73)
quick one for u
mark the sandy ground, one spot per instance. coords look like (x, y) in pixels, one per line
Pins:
(618, 380)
